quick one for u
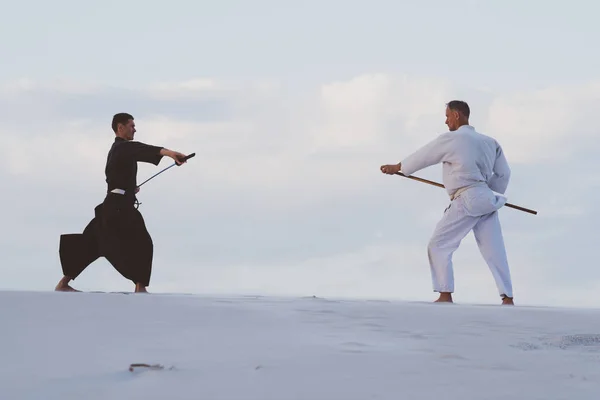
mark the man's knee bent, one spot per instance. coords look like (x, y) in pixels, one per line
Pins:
(440, 245)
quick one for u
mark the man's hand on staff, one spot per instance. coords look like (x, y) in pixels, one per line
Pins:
(391, 169)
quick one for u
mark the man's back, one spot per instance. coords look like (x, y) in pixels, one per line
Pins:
(468, 158)
(474, 157)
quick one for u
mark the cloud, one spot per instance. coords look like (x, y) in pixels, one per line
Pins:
(285, 195)
(367, 111)
(545, 125)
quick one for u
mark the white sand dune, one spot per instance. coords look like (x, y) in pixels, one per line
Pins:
(80, 345)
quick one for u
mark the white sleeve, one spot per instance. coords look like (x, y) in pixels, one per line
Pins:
(432, 153)
(499, 181)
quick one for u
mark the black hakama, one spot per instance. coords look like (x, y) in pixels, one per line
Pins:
(117, 231)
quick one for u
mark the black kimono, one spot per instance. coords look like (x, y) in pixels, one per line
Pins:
(117, 231)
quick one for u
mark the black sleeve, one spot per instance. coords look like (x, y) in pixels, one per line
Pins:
(144, 152)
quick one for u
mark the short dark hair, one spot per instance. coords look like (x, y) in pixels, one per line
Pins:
(460, 106)
(120, 118)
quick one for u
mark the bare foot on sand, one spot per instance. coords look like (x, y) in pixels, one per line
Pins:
(445, 297)
(507, 301)
(139, 288)
(63, 285)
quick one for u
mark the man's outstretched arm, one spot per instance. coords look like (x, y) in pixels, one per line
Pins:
(432, 153)
(175, 155)
(143, 152)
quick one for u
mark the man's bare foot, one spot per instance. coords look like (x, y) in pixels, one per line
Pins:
(445, 297)
(63, 285)
(139, 288)
(507, 301)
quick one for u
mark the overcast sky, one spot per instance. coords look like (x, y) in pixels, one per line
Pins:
(291, 107)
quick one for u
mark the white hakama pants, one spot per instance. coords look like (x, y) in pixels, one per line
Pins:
(474, 209)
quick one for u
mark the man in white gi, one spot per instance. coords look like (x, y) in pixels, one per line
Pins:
(475, 175)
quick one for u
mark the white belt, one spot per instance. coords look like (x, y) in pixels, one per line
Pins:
(462, 189)
(459, 191)
(118, 191)
(465, 188)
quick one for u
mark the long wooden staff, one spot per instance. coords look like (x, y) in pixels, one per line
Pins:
(442, 186)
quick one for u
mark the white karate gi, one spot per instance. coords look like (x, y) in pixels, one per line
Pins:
(475, 175)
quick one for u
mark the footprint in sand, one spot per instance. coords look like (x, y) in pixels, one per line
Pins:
(372, 326)
(354, 347)
(452, 357)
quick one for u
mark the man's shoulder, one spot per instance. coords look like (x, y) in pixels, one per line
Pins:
(445, 136)
(484, 136)
(134, 143)
(125, 148)
(128, 144)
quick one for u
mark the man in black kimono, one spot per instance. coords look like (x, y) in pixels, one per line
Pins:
(117, 231)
